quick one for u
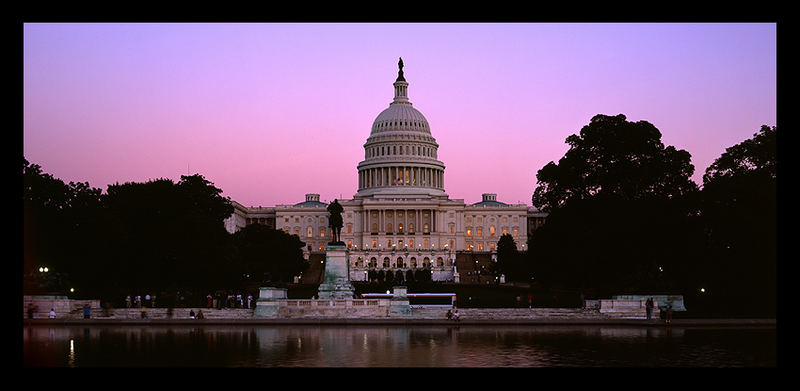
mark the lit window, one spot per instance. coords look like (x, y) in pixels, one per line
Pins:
(322, 232)
(480, 246)
(480, 231)
(491, 230)
(469, 231)
(310, 231)
(516, 232)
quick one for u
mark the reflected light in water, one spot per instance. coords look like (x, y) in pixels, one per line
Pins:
(397, 346)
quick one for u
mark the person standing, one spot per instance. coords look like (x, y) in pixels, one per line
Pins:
(52, 314)
(668, 316)
(128, 301)
(649, 307)
(87, 311)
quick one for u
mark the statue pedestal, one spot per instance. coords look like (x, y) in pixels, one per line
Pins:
(336, 284)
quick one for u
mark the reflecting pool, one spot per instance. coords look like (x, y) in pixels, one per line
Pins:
(397, 346)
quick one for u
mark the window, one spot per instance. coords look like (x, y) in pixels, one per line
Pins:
(349, 228)
(411, 243)
(469, 219)
(469, 232)
(399, 262)
(425, 228)
(386, 262)
(427, 244)
(413, 262)
(452, 228)
(440, 261)
(373, 262)
(491, 230)
(349, 243)
(480, 246)
(505, 219)
(516, 232)
(389, 227)
(310, 231)
(374, 243)
(322, 247)
(411, 228)
(479, 231)
(400, 227)
(322, 232)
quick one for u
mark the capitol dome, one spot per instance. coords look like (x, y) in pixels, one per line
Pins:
(400, 154)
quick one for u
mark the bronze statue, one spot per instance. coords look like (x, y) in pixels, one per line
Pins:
(400, 72)
(335, 221)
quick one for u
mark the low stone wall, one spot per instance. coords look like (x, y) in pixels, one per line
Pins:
(63, 306)
(636, 309)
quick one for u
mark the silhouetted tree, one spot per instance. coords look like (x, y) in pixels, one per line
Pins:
(62, 226)
(268, 255)
(509, 260)
(739, 209)
(621, 206)
(614, 157)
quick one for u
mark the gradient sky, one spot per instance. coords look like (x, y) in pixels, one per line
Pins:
(270, 112)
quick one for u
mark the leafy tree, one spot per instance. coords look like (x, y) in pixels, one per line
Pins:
(61, 230)
(621, 205)
(612, 156)
(268, 255)
(740, 212)
(509, 260)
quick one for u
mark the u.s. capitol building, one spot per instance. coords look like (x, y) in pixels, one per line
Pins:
(401, 217)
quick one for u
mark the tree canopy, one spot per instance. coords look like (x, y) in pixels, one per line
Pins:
(612, 156)
(155, 235)
(739, 210)
(620, 204)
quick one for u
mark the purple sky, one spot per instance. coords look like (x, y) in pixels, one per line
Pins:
(269, 112)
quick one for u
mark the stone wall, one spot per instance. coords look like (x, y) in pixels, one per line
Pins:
(63, 306)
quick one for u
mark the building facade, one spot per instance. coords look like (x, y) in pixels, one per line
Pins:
(400, 218)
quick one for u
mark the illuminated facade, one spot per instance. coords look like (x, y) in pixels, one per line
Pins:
(400, 218)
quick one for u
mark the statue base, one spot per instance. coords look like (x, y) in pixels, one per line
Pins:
(336, 283)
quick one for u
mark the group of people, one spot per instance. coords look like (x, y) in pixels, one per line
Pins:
(137, 302)
(219, 299)
(223, 299)
(453, 315)
(649, 305)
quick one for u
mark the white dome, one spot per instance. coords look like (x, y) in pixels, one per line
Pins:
(400, 117)
(400, 154)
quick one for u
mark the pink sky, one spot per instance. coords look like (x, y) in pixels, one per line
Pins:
(270, 112)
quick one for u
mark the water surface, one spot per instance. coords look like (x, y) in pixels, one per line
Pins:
(397, 346)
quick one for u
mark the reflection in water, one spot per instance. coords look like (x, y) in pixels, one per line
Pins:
(395, 346)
